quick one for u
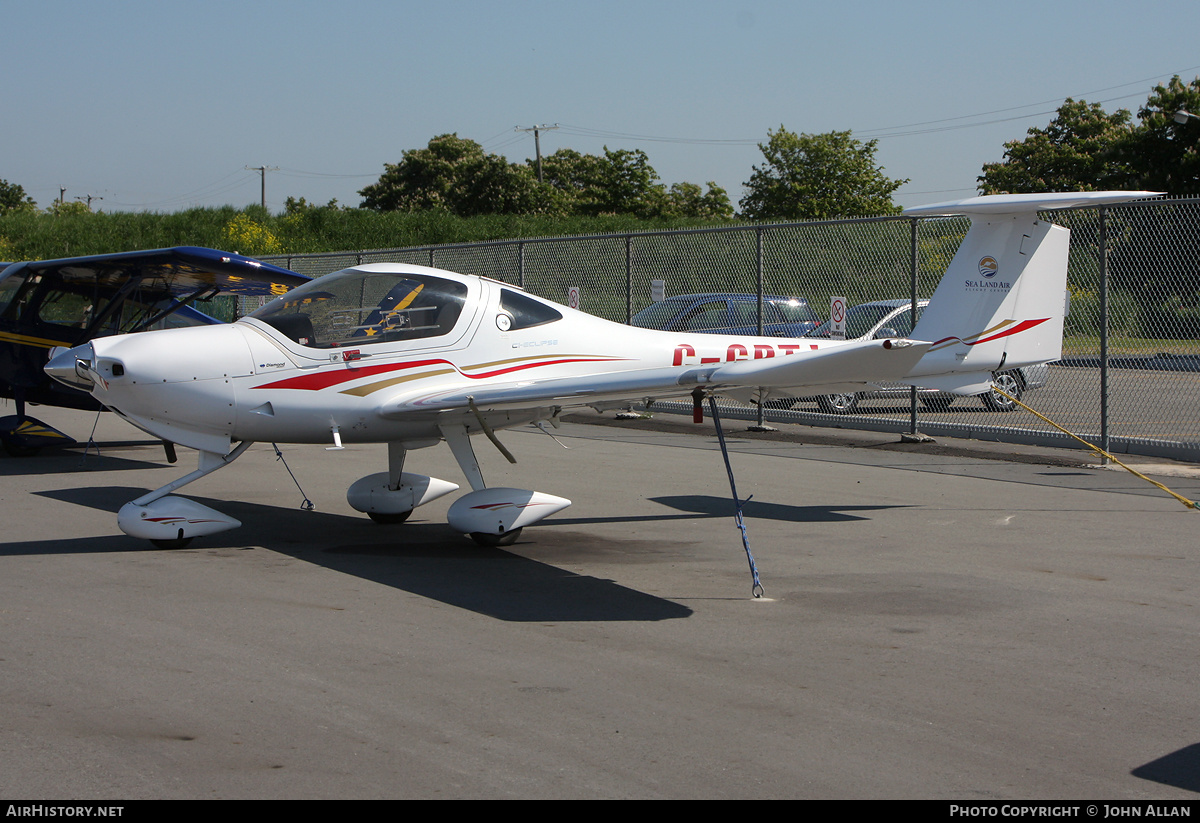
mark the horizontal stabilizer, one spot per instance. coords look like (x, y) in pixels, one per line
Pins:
(1024, 203)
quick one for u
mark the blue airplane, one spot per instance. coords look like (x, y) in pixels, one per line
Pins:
(50, 304)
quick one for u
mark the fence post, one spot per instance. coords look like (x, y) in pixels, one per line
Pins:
(1103, 276)
(521, 265)
(912, 290)
(758, 274)
(628, 278)
(758, 269)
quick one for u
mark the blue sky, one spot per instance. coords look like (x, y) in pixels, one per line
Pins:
(161, 105)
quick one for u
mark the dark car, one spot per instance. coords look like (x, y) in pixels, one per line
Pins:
(893, 318)
(729, 314)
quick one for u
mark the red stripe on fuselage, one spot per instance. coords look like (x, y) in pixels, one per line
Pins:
(335, 377)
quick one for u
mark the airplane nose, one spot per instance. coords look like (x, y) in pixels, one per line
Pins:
(176, 384)
(73, 367)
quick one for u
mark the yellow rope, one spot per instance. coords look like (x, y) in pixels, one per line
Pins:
(1191, 504)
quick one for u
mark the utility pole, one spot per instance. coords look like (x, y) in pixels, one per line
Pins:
(262, 170)
(90, 198)
(537, 142)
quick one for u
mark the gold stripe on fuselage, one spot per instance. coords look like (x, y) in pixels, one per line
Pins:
(29, 340)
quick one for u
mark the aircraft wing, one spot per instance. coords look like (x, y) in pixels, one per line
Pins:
(179, 271)
(854, 362)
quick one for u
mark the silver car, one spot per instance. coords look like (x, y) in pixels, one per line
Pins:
(893, 318)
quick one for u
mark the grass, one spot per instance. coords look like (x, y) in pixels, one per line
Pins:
(1124, 346)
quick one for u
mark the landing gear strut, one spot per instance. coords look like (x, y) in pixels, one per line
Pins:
(493, 517)
(171, 522)
(390, 497)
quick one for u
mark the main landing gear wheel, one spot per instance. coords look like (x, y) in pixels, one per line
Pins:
(493, 541)
(14, 450)
(388, 518)
(174, 543)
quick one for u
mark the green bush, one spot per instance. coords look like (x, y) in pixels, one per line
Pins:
(34, 235)
(1171, 318)
(1084, 319)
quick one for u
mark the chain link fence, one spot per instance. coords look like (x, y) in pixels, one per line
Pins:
(1128, 381)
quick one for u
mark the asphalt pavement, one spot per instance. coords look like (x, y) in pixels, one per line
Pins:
(957, 620)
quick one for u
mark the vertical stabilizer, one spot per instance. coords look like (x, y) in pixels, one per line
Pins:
(1001, 303)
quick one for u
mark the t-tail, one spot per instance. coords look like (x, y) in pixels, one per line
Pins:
(1002, 301)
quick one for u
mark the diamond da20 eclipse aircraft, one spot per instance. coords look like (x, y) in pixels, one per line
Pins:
(411, 356)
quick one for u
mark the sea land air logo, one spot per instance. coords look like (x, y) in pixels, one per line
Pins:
(988, 269)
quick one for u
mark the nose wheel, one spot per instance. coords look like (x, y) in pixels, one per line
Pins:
(173, 543)
(389, 518)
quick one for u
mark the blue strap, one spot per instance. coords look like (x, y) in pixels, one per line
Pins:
(307, 505)
(757, 589)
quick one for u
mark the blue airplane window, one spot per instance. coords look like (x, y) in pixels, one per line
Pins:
(9, 288)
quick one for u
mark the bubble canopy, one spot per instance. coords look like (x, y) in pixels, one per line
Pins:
(358, 306)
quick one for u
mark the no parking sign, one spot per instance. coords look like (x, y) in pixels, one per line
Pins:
(573, 297)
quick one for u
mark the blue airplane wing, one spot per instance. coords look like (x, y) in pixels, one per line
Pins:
(180, 270)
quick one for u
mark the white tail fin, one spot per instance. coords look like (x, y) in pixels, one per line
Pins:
(1001, 303)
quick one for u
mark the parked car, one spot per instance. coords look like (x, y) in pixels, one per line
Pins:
(729, 314)
(893, 318)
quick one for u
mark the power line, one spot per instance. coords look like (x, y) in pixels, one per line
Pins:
(886, 131)
(286, 172)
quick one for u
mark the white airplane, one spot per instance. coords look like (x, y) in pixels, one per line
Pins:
(411, 356)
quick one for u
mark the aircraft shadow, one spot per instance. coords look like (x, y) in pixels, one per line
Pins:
(1180, 769)
(723, 507)
(70, 460)
(426, 559)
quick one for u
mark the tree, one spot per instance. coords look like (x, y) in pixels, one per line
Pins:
(573, 182)
(302, 206)
(70, 208)
(628, 184)
(620, 182)
(687, 200)
(455, 175)
(1163, 155)
(817, 176)
(13, 198)
(1081, 150)
(1085, 148)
